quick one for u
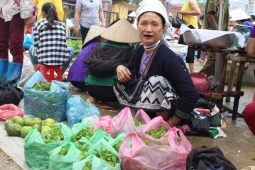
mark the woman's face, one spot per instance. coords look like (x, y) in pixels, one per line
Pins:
(150, 28)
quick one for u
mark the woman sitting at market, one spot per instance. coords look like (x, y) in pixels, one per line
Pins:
(50, 40)
(116, 49)
(155, 62)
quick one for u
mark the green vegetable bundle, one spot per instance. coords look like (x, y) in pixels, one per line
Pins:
(42, 86)
(37, 150)
(63, 157)
(85, 129)
(157, 133)
(106, 154)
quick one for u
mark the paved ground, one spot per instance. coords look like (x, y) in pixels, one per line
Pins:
(239, 146)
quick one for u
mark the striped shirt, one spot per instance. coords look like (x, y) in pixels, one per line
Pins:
(50, 44)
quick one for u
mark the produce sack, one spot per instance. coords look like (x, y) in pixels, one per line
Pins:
(104, 122)
(63, 157)
(116, 143)
(83, 145)
(85, 129)
(135, 154)
(77, 109)
(37, 151)
(108, 158)
(155, 132)
(46, 104)
(98, 136)
(91, 163)
(8, 111)
(123, 122)
(141, 118)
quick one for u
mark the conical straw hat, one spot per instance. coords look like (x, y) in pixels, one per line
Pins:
(238, 14)
(121, 31)
(94, 32)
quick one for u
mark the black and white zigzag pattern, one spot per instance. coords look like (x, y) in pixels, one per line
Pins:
(157, 93)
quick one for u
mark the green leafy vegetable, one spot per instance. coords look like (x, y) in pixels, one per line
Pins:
(107, 156)
(138, 122)
(157, 133)
(52, 134)
(83, 147)
(75, 44)
(253, 158)
(86, 132)
(63, 151)
(117, 145)
(42, 86)
(87, 166)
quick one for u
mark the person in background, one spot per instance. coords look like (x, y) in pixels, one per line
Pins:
(14, 15)
(249, 111)
(190, 10)
(252, 19)
(158, 61)
(58, 4)
(88, 13)
(50, 40)
(211, 22)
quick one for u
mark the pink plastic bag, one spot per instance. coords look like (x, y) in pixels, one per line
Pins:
(136, 155)
(141, 115)
(8, 111)
(154, 124)
(104, 123)
(123, 122)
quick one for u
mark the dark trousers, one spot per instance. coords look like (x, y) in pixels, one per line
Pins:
(102, 93)
(11, 37)
(84, 32)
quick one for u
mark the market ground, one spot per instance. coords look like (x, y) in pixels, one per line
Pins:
(238, 146)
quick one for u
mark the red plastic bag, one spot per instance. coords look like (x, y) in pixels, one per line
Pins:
(7, 111)
(136, 155)
(202, 84)
(123, 122)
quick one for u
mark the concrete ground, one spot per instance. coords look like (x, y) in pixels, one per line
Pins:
(238, 146)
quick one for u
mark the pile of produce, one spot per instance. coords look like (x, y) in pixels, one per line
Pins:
(51, 131)
(42, 86)
(75, 44)
(157, 133)
(19, 126)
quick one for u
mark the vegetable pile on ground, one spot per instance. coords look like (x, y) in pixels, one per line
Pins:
(19, 126)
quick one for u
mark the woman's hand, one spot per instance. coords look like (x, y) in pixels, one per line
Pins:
(76, 30)
(173, 121)
(123, 74)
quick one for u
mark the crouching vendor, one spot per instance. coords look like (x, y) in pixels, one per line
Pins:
(167, 89)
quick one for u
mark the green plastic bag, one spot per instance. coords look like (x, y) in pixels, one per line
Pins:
(100, 134)
(37, 152)
(79, 127)
(116, 143)
(63, 157)
(93, 163)
(83, 145)
(103, 151)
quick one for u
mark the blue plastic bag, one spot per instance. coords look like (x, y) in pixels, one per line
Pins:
(28, 41)
(46, 104)
(77, 109)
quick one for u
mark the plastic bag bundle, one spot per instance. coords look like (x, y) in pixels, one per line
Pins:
(107, 156)
(155, 132)
(123, 122)
(8, 111)
(98, 136)
(135, 154)
(46, 104)
(37, 151)
(85, 129)
(63, 157)
(77, 109)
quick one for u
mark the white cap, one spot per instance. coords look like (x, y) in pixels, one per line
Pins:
(153, 6)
